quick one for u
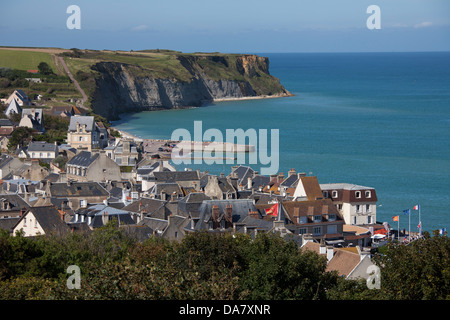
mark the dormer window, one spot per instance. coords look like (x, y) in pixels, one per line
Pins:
(334, 194)
(325, 194)
(317, 218)
(358, 194)
(368, 194)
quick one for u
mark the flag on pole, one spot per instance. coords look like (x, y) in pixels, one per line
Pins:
(416, 207)
(273, 210)
(419, 225)
(407, 211)
(396, 218)
(442, 231)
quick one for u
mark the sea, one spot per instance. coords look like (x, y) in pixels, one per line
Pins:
(380, 120)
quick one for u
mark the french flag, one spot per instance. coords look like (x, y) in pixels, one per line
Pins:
(416, 207)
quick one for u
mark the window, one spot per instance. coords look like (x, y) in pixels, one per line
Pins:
(302, 219)
(317, 218)
(25, 222)
(358, 208)
(301, 231)
(358, 194)
(334, 194)
(368, 194)
(354, 220)
(325, 194)
(81, 139)
(368, 208)
(332, 229)
(331, 217)
(340, 206)
(369, 219)
(317, 231)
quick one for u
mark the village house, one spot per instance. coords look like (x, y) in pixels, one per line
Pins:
(186, 179)
(12, 206)
(39, 221)
(4, 142)
(8, 165)
(357, 204)
(89, 166)
(12, 108)
(40, 150)
(126, 152)
(99, 215)
(32, 118)
(83, 133)
(317, 217)
(350, 263)
(20, 98)
(218, 187)
(78, 194)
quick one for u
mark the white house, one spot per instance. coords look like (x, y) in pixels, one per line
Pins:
(13, 107)
(20, 97)
(41, 221)
(357, 204)
(40, 150)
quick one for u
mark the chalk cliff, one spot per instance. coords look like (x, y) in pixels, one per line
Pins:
(124, 87)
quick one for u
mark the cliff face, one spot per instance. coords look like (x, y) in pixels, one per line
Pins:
(122, 87)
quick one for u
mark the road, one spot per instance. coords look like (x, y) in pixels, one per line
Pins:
(75, 82)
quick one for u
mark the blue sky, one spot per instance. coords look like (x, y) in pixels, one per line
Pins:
(229, 26)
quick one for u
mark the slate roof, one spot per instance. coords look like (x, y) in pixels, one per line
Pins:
(191, 203)
(83, 159)
(14, 200)
(174, 176)
(82, 120)
(78, 189)
(240, 210)
(243, 173)
(97, 211)
(147, 205)
(289, 181)
(50, 220)
(42, 146)
(6, 123)
(36, 114)
(9, 223)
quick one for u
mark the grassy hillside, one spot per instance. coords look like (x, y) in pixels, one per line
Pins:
(26, 60)
(58, 89)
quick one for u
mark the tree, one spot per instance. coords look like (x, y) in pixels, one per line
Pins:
(20, 137)
(45, 69)
(420, 270)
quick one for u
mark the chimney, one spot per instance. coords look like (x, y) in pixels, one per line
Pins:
(228, 212)
(291, 172)
(215, 213)
(322, 248)
(296, 212)
(330, 253)
(280, 177)
(254, 214)
(163, 195)
(301, 175)
(249, 183)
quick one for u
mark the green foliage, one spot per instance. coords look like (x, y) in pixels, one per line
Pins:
(420, 270)
(20, 137)
(44, 68)
(206, 266)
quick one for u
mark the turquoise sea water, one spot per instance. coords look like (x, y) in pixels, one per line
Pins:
(374, 119)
